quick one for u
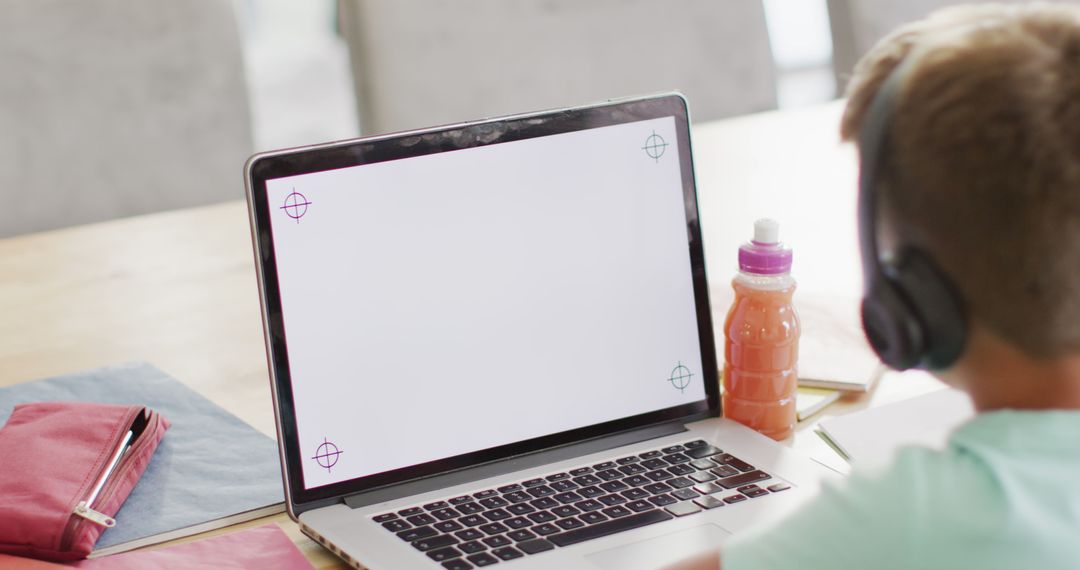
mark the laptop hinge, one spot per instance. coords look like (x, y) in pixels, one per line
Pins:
(512, 464)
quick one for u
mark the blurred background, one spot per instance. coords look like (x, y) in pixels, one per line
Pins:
(113, 108)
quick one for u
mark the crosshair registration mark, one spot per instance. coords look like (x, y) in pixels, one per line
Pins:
(680, 377)
(295, 205)
(655, 146)
(327, 455)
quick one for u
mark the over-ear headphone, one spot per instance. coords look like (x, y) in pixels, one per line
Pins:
(912, 314)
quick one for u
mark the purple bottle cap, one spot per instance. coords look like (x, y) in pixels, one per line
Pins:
(765, 255)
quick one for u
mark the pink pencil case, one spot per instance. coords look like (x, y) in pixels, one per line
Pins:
(65, 470)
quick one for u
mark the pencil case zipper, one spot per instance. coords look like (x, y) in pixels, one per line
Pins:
(84, 513)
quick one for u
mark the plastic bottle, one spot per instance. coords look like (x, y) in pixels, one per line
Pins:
(761, 333)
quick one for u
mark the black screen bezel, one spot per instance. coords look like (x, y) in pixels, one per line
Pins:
(456, 137)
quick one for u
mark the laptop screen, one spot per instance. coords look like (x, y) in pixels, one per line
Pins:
(448, 303)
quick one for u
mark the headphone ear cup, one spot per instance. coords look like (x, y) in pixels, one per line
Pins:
(891, 328)
(935, 304)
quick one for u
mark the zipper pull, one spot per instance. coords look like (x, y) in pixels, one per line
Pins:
(84, 511)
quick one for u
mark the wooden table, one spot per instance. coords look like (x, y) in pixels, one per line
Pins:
(178, 289)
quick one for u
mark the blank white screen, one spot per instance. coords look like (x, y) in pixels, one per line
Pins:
(458, 301)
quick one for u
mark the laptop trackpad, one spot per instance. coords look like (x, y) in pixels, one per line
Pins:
(662, 550)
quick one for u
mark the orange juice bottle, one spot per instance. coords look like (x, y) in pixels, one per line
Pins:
(761, 337)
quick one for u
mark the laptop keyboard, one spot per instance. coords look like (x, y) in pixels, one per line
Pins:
(561, 509)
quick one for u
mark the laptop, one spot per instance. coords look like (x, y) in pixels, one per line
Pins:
(491, 343)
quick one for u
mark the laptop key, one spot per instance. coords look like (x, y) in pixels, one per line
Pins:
(493, 528)
(659, 475)
(611, 500)
(685, 494)
(444, 554)
(703, 451)
(494, 502)
(447, 526)
(703, 477)
(708, 502)
(496, 515)
(593, 518)
(545, 529)
(614, 486)
(520, 535)
(517, 497)
(482, 559)
(517, 522)
(682, 469)
(638, 506)
(569, 524)
(472, 547)
(563, 486)
(703, 464)
(609, 527)
(657, 488)
(590, 492)
(434, 542)
(632, 469)
(565, 511)
(472, 520)
(469, 508)
(417, 533)
(457, 564)
(545, 503)
(588, 479)
(683, 509)
(654, 464)
(589, 505)
(663, 500)
(469, 534)
(609, 474)
(535, 546)
(384, 518)
(541, 491)
(496, 541)
(568, 497)
(508, 553)
(738, 480)
(729, 459)
(445, 514)
(724, 471)
(397, 525)
(616, 511)
(542, 517)
(521, 509)
(680, 482)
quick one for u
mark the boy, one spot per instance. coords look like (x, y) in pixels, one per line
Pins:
(982, 172)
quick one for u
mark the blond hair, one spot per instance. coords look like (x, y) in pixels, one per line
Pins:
(983, 168)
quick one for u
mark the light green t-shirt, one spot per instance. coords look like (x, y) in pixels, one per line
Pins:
(1005, 493)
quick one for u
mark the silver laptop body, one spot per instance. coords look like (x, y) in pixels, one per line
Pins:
(491, 344)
